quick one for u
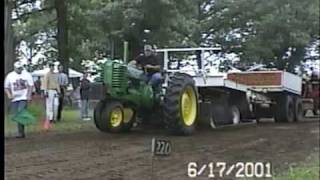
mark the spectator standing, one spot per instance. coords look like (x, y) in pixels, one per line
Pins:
(63, 83)
(77, 97)
(52, 92)
(84, 95)
(37, 85)
(315, 75)
(18, 87)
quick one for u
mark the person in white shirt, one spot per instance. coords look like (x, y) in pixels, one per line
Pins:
(18, 87)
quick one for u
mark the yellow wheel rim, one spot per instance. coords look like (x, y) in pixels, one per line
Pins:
(128, 113)
(116, 117)
(189, 106)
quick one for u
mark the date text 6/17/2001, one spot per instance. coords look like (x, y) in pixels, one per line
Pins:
(223, 169)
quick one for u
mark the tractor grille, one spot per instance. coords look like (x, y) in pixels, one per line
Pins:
(102, 74)
(119, 76)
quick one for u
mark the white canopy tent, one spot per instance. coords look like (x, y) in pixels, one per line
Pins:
(72, 73)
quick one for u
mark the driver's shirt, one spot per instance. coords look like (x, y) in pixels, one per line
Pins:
(151, 60)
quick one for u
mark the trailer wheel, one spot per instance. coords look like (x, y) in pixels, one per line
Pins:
(299, 113)
(212, 123)
(181, 104)
(284, 110)
(235, 114)
(257, 112)
(112, 117)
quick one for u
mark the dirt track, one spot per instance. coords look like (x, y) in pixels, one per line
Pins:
(89, 154)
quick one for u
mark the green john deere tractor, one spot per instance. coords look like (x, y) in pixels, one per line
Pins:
(127, 96)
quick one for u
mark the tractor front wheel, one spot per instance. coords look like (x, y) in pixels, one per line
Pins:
(129, 119)
(181, 104)
(111, 117)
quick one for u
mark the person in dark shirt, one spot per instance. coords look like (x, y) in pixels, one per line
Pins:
(37, 85)
(63, 83)
(150, 64)
(84, 95)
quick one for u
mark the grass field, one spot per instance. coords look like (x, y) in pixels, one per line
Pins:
(308, 170)
(70, 120)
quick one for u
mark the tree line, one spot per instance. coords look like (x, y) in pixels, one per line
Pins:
(273, 31)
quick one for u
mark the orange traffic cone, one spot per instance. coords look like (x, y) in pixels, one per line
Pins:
(46, 124)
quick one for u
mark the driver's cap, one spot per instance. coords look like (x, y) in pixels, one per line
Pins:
(18, 65)
(148, 47)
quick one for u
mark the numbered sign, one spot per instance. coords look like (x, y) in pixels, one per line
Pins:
(161, 147)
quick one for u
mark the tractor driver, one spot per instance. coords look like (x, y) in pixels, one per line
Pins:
(150, 64)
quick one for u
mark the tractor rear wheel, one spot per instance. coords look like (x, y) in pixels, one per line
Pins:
(111, 118)
(235, 114)
(181, 104)
(97, 114)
